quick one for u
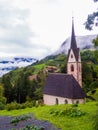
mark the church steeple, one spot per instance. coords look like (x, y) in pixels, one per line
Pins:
(73, 39)
(73, 45)
(74, 60)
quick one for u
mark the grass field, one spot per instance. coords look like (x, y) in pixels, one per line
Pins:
(61, 121)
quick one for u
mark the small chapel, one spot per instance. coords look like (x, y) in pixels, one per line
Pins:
(66, 88)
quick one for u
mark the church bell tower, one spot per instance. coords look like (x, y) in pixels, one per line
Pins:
(74, 66)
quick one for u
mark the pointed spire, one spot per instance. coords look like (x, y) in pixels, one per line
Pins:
(73, 39)
(73, 45)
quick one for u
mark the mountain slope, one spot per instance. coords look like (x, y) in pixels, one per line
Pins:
(83, 42)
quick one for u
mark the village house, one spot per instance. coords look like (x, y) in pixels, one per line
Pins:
(66, 88)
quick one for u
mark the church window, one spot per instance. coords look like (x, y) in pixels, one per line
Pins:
(66, 102)
(57, 101)
(71, 56)
(77, 102)
(72, 68)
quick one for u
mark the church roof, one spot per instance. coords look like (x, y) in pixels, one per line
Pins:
(63, 85)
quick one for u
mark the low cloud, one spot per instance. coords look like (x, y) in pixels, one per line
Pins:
(15, 34)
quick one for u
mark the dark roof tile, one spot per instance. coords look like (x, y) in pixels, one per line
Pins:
(63, 85)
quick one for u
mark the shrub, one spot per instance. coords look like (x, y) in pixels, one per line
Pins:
(2, 106)
(54, 112)
(74, 105)
(31, 127)
(27, 104)
(3, 100)
(74, 112)
(15, 120)
(15, 105)
(28, 99)
(12, 106)
(69, 111)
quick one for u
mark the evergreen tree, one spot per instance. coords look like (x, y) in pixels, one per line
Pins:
(1, 90)
(87, 76)
(22, 87)
(6, 80)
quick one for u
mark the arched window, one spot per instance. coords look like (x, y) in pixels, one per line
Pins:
(57, 101)
(66, 102)
(77, 102)
(72, 68)
(71, 56)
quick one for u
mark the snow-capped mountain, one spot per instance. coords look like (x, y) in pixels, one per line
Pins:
(8, 64)
(83, 42)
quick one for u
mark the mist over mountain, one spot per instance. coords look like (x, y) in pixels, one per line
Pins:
(9, 64)
(83, 42)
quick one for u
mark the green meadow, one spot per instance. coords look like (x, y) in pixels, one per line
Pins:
(62, 121)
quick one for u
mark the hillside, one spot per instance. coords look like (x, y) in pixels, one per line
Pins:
(18, 79)
(9, 64)
(38, 65)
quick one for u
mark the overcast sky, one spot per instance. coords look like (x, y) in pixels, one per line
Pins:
(37, 28)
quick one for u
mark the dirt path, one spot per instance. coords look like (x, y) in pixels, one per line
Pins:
(5, 124)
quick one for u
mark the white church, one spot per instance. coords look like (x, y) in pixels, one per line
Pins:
(66, 88)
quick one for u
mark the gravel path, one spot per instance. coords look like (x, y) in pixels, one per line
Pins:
(5, 124)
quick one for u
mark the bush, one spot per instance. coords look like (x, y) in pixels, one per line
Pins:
(54, 112)
(74, 112)
(16, 120)
(12, 106)
(27, 104)
(69, 111)
(15, 105)
(2, 106)
(74, 105)
(33, 127)
(3, 100)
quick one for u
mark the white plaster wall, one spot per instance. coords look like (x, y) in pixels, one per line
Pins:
(81, 101)
(71, 59)
(77, 73)
(51, 100)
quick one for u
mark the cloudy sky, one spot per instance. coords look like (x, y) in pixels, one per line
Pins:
(37, 28)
